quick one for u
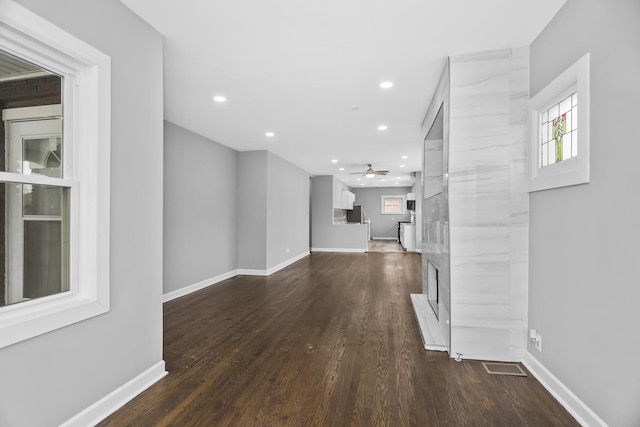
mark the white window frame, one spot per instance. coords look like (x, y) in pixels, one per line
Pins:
(574, 170)
(87, 139)
(392, 196)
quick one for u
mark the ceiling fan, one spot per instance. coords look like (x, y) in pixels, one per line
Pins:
(370, 173)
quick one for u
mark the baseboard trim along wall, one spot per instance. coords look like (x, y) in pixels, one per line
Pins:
(117, 398)
(337, 250)
(197, 286)
(384, 238)
(270, 271)
(576, 407)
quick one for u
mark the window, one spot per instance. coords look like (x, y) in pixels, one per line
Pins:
(392, 205)
(559, 136)
(35, 224)
(54, 178)
(559, 130)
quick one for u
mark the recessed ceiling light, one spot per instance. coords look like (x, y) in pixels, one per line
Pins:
(362, 183)
(397, 183)
(269, 133)
(401, 166)
(382, 179)
(405, 157)
(386, 85)
(334, 161)
(382, 127)
(341, 169)
(219, 98)
(357, 179)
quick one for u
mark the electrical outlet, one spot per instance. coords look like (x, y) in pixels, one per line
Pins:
(538, 342)
(287, 250)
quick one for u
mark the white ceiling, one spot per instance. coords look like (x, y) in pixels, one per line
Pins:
(297, 68)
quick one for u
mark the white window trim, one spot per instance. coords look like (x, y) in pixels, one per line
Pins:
(393, 196)
(87, 133)
(574, 170)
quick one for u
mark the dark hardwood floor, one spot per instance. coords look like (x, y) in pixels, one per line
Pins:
(329, 341)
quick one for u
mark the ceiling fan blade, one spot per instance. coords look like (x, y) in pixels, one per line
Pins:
(357, 173)
(381, 172)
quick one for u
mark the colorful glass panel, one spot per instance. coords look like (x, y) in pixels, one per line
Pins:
(558, 130)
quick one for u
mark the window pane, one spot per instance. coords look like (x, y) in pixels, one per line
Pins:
(565, 105)
(36, 231)
(41, 199)
(42, 156)
(28, 148)
(566, 146)
(392, 205)
(558, 132)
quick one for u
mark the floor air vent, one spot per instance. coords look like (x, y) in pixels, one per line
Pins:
(495, 368)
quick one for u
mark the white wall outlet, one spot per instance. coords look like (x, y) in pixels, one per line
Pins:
(538, 342)
(287, 250)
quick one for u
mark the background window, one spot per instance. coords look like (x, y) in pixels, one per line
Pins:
(34, 229)
(392, 205)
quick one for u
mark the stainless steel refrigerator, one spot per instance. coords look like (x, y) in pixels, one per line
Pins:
(356, 214)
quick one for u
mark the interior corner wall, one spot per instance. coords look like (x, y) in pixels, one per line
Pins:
(324, 233)
(49, 379)
(251, 210)
(584, 276)
(200, 197)
(287, 211)
(382, 226)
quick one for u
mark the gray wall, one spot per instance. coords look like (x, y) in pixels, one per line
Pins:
(583, 280)
(287, 211)
(252, 206)
(385, 226)
(273, 210)
(200, 192)
(50, 378)
(324, 233)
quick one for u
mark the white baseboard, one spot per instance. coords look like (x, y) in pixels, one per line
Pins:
(576, 407)
(197, 286)
(117, 398)
(270, 271)
(384, 238)
(337, 250)
(287, 262)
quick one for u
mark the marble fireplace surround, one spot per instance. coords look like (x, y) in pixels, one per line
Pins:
(479, 221)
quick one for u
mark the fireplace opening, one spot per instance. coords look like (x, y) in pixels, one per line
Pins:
(433, 287)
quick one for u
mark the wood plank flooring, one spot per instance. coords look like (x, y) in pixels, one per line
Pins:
(329, 341)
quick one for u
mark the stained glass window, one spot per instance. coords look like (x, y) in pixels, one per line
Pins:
(559, 131)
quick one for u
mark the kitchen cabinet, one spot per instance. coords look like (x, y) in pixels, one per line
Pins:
(408, 236)
(342, 197)
(348, 198)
